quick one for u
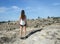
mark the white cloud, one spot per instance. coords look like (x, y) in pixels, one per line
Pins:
(56, 4)
(3, 9)
(15, 7)
(8, 9)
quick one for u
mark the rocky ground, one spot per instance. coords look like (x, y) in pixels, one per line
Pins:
(46, 31)
(44, 35)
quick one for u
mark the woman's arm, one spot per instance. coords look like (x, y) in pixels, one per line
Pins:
(26, 21)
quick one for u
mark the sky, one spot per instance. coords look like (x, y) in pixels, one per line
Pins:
(11, 9)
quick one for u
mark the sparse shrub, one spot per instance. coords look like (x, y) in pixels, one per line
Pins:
(33, 19)
(14, 28)
(48, 17)
(9, 21)
(38, 17)
(49, 23)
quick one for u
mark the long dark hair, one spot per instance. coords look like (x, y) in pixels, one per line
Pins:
(23, 16)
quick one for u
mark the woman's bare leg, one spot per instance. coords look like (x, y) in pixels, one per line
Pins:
(21, 29)
(24, 30)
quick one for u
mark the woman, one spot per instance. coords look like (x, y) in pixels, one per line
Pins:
(23, 23)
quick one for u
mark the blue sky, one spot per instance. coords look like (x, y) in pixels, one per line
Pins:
(10, 9)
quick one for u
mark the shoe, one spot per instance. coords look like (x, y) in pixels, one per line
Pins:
(22, 37)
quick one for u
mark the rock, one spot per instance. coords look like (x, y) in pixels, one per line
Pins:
(47, 35)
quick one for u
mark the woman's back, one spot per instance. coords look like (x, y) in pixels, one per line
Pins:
(22, 22)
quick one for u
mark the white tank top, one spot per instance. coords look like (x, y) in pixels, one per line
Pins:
(22, 22)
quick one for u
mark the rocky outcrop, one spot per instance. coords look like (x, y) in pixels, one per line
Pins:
(45, 35)
(49, 35)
